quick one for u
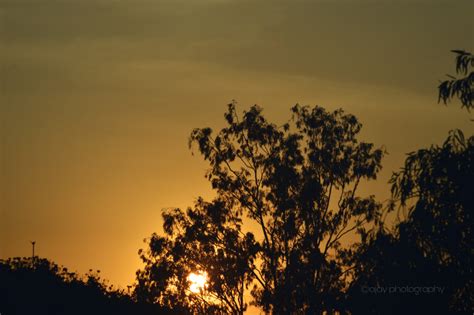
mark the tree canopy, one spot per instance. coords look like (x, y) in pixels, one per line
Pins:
(432, 244)
(296, 185)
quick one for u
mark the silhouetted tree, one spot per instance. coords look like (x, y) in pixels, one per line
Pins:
(461, 88)
(297, 185)
(207, 238)
(432, 243)
(441, 220)
(432, 246)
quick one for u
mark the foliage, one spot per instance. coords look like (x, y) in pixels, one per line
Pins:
(441, 221)
(39, 286)
(296, 184)
(433, 243)
(461, 88)
(206, 238)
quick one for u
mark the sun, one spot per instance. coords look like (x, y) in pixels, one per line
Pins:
(198, 281)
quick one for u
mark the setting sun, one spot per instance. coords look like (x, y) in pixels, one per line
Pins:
(198, 281)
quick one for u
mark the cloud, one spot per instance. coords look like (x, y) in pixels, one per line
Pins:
(368, 42)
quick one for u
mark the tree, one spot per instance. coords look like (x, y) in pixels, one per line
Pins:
(461, 88)
(432, 245)
(441, 220)
(206, 238)
(296, 186)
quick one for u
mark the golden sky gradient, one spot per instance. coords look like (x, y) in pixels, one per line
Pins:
(98, 99)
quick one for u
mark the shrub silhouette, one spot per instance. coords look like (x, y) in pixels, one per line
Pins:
(39, 286)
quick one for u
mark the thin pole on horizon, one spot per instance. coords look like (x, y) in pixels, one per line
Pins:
(33, 245)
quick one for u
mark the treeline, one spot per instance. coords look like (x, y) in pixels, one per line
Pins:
(38, 286)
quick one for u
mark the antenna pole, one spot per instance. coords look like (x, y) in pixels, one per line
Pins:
(33, 245)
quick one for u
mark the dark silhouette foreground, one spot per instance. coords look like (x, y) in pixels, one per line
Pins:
(41, 287)
(427, 261)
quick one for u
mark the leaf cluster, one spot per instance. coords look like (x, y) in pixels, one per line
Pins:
(461, 88)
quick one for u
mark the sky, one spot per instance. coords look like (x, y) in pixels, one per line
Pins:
(98, 99)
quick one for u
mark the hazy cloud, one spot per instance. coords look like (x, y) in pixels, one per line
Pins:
(357, 41)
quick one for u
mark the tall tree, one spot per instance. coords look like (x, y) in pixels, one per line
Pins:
(295, 186)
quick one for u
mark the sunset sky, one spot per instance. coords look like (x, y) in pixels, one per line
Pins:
(98, 99)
